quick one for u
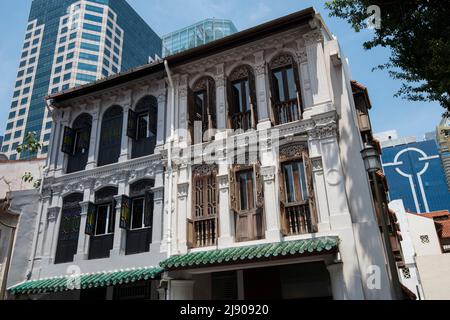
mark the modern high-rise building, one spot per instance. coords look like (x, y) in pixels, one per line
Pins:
(415, 175)
(197, 34)
(70, 43)
(443, 137)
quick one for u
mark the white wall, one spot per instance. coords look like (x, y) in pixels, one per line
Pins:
(11, 173)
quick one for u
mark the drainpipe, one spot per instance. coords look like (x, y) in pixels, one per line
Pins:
(41, 209)
(169, 156)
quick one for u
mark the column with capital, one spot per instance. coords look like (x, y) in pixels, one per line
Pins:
(160, 134)
(221, 99)
(83, 239)
(60, 156)
(125, 145)
(271, 201)
(158, 211)
(262, 91)
(120, 235)
(95, 137)
(319, 77)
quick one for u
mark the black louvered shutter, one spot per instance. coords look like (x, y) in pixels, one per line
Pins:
(125, 213)
(132, 125)
(90, 219)
(68, 141)
(148, 214)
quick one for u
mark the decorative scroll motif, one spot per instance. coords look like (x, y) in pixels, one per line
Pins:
(268, 173)
(313, 37)
(183, 190)
(239, 73)
(292, 151)
(324, 131)
(317, 164)
(260, 69)
(183, 93)
(204, 170)
(302, 56)
(53, 213)
(282, 60)
(201, 85)
(220, 81)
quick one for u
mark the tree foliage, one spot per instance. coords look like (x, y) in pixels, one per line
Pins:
(30, 145)
(418, 34)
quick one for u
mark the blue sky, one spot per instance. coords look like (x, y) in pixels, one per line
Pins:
(164, 16)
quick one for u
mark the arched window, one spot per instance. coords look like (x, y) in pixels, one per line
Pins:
(243, 112)
(202, 109)
(100, 224)
(203, 228)
(69, 228)
(110, 136)
(298, 212)
(76, 143)
(286, 95)
(142, 126)
(137, 217)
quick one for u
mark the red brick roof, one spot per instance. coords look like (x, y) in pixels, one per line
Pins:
(443, 226)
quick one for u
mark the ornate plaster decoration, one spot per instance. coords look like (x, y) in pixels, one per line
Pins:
(281, 60)
(241, 72)
(292, 151)
(52, 213)
(183, 190)
(204, 170)
(313, 37)
(268, 173)
(317, 164)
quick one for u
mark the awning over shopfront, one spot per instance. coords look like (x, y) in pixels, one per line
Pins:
(263, 252)
(88, 281)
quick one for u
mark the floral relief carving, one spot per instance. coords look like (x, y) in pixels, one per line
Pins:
(292, 151)
(281, 60)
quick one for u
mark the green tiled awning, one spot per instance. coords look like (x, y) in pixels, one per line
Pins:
(88, 281)
(263, 252)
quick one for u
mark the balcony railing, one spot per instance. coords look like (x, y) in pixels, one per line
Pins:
(243, 120)
(296, 219)
(203, 232)
(286, 111)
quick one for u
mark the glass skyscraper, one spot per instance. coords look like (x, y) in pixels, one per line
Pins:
(197, 34)
(70, 43)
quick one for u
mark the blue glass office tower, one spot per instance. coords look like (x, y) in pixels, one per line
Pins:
(415, 175)
(70, 43)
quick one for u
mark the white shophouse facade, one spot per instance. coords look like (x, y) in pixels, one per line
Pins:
(312, 186)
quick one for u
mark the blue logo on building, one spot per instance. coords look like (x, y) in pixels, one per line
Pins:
(415, 175)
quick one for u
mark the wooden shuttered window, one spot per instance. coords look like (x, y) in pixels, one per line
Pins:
(311, 194)
(132, 125)
(297, 200)
(68, 144)
(90, 219)
(125, 213)
(242, 99)
(247, 201)
(286, 98)
(202, 108)
(203, 229)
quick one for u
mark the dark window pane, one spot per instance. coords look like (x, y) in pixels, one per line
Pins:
(278, 86)
(246, 194)
(143, 127)
(102, 216)
(291, 84)
(138, 213)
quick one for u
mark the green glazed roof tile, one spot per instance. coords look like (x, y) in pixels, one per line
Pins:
(251, 253)
(101, 279)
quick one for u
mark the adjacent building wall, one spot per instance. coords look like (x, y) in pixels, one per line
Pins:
(11, 173)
